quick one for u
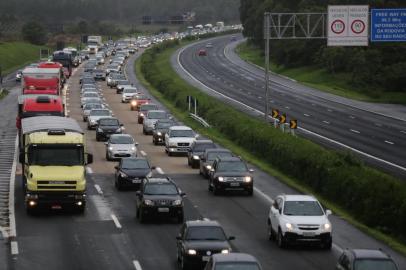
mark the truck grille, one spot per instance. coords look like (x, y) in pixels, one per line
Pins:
(56, 184)
(39, 187)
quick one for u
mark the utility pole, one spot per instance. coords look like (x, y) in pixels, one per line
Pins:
(267, 86)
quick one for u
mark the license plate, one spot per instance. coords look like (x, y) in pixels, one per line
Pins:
(234, 184)
(56, 207)
(163, 210)
(205, 258)
(308, 234)
(136, 181)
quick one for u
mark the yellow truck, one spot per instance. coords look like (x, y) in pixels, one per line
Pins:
(53, 157)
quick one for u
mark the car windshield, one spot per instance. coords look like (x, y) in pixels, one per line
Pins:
(91, 94)
(108, 122)
(93, 106)
(371, 264)
(188, 133)
(213, 155)
(205, 233)
(121, 140)
(130, 90)
(231, 166)
(133, 164)
(160, 189)
(148, 107)
(200, 147)
(302, 208)
(157, 115)
(237, 266)
(100, 112)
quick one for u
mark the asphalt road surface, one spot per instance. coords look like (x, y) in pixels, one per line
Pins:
(108, 236)
(375, 132)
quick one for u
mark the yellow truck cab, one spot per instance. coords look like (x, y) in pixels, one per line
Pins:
(54, 159)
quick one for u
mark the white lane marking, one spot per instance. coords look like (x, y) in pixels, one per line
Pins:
(259, 97)
(11, 209)
(300, 128)
(287, 107)
(143, 153)
(159, 170)
(330, 110)
(14, 247)
(263, 195)
(352, 117)
(137, 265)
(355, 131)
(378, 125)
(98, 188)
(403, 131)
(313, 104)
(389, 142)
(305, 114)
(116, 222)
(326, 122)
(89, 170)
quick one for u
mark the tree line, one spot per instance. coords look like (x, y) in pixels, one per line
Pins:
(376, 68)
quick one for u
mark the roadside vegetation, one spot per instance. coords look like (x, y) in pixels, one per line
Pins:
(375, 71)
(373, 201)
(3, 93)
(17, 54)
(339, 83)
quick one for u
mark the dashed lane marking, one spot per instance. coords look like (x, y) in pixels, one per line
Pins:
(116, 222)
(89, 170)
(389, 142)
(143, 153)
(326, 122)
(159, 170)
(355, 131)
(14, 248)
(98, 188)
(307, 115)
(137, 265)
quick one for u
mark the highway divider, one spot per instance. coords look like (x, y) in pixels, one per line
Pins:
(371, 197)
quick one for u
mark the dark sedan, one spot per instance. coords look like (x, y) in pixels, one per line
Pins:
(161, 127)
(196, 152)
(106, 127)
(131, 171)
(209, 157)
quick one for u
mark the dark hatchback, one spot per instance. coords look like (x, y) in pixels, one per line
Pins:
(143, 111)
(196, 152)
(159, 197)
(360, 259)
(130, 172)
(161, 127)
(233, 261)
(106, 127)
(198, 240)
(209, 157)
(230, 174)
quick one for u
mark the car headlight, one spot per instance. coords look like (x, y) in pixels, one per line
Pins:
(92, 121)
(118, 130)
(208, 167)
(141, 114)
(191, 252)
(123, 174)
(221, 179)
(111, 148)
(289, 226)
(99, 130)
(225, 251)
(327, 226)
(247, 179)
(159, 133)
(148, 202)
(133, 148)
(177, 202)
(134, 103)
(195, 157)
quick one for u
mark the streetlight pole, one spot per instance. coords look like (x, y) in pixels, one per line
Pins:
(267, 86)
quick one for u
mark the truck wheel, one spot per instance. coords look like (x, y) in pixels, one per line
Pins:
(180, 218)
(97, 138)
(141, 216)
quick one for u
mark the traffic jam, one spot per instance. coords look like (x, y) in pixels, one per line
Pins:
(54, 153)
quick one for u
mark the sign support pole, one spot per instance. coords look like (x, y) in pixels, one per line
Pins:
(195, 106)
(267, 37)
(189, 102)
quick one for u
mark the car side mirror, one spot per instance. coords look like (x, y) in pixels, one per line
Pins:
(329, 212)
(182, 194)
(251, 170)
(116, 167)
(231, 238)
(136, 143)
(179, 237)
(153, 168)
(89, 158)
(121, 125)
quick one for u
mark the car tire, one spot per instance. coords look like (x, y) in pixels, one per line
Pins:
(139, 121)
(84, 119)
(250, 192)
(188, 162)
(180, 218)
(327, 245)
(216, 191)
(183, 265)
(81, 209)
(144, 132)
(154, 141)
(88, 127)
(141, 217)
(107, 157)
(97, 138)
(271, 234)
(281, 241)
(210, 187)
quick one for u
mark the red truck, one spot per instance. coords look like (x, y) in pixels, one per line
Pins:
(39, 105)
(41, 81)
(50, 64)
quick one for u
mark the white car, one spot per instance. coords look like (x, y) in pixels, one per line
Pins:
(178, 139)
(299, 218)
(120, 146)
(90, 106)
(150, 119)
(128, 93)
(95, 115)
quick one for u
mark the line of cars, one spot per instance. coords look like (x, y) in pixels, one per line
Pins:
(292, 219)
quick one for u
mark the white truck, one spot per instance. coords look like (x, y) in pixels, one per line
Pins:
(93, 44)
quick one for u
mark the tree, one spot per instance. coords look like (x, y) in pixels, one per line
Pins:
(34, 33)
(83, 27)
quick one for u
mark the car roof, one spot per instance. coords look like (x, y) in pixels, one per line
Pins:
(234, 257)
(121, 135)
(202, 222)
(229, 159)
(158, 180)
(290, 197)
(369, 253)
(180, 128)
(218, 150)
(203, 141)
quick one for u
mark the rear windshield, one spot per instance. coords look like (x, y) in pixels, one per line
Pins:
(370, 264)
(108, 122)
(157, 115)
(200, 147)
(100, 112)
(121, 140)
(214, 155)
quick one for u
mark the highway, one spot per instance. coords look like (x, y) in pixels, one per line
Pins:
(375, 132)
(108, 236)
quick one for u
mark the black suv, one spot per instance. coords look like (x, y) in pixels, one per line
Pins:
(196, 152)
(130, 172)
(357, 259)
(106, 127)
(230, 173)
(198, 240)
(161, 127)
(209, 156)
(159, 196)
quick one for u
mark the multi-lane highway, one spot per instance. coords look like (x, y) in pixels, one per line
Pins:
(108, 236)
(373, 131)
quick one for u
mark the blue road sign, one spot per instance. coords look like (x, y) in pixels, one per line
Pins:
(388, 25)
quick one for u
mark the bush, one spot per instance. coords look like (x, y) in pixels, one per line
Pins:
(373, 197)
(34, 33)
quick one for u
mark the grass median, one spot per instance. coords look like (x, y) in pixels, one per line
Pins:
(351, 189)
(3, 93)
(14, 55)
(318, 78)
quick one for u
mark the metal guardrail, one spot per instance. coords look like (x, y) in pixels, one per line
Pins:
(200, 120)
